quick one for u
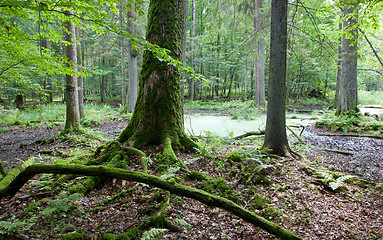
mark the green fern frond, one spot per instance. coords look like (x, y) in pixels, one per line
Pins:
(182, 223)
(154, 233)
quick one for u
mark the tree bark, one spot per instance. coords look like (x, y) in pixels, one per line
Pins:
(259, 66)
(16, 178)
(80, 81)
(348, 92)
(103, 84)
(132, 61)
(339, 67)
(158, 115)
(122, 65)
(72, 121)
(275, 134)
(192, 54)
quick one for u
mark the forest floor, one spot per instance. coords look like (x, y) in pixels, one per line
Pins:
(291, 192)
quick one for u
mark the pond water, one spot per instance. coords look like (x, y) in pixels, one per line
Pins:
(372, 110)
(199, 124)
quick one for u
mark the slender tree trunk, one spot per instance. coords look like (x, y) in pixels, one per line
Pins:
(192, 54)
(122, 47)
(339, 67)
(80, 79)
(183, 44)
(157, 117)
(72, 121)
(348, 92)
(103, 84)
(275, 134)
(132, 61)
(377, 84)
(259, 53)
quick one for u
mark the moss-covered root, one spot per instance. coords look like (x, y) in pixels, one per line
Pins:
(13, 184)
(168, 153)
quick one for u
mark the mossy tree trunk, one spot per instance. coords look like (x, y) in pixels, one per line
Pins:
(275, 134)
(157, 116)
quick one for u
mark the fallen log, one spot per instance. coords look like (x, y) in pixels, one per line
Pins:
(17, 177)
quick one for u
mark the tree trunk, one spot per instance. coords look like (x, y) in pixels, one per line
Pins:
(192, 54)
(157, 117)
(72, 121)
(103, 84)
(122, 65)
(275, 134)
(339, 67)
(183, 44)
(377, 84)
(348, 92)
(132, 61)
(259, 67)
(80, 81)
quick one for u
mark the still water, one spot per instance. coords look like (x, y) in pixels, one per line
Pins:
(198, 124)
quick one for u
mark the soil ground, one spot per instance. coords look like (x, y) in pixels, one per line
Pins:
(290, 195)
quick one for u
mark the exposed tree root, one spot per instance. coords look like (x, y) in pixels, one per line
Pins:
(16, 178)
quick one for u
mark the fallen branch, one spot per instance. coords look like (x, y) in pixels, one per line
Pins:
(338, 151)
(248, 134)
(16, 178)
(295, 135)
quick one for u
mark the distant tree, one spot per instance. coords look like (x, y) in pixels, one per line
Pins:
(259, 66)
(72, 121)
(275, 135)
(122, 49)
(132, 60)
(348, 87)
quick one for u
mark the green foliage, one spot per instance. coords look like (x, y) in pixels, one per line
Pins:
(370, 98)
(311, 102)
(108, 236)
(350, 122)
(63, 203)
(76, 236)
(16, 225)
(130, 235)
(333, 181)
(154, 233)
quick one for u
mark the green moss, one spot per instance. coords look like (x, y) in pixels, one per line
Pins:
(30, 209)
(76, 236)
(132, 234)
(108, 236)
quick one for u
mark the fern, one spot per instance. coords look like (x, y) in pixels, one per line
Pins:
(332, 182)
(154, 233)
(16, 225)
(182, 223)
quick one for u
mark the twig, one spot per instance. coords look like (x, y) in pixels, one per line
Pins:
(44, 120)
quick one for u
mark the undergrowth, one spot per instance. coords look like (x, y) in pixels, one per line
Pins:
(350, 122)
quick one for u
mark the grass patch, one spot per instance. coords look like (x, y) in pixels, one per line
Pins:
(54, 114)
(370, 98)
